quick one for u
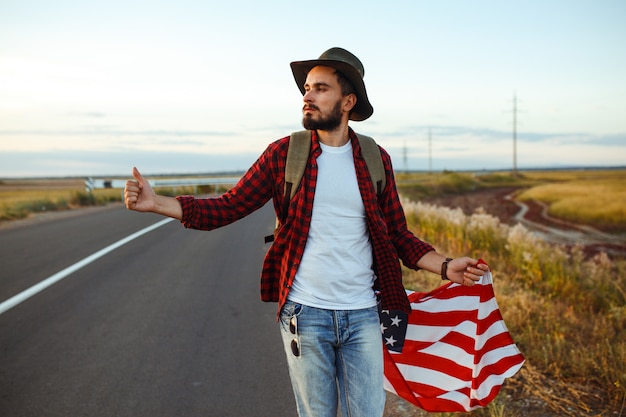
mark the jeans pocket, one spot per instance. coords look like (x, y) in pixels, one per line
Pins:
(289, 310)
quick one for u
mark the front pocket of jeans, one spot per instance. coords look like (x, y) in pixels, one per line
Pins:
(289, 310)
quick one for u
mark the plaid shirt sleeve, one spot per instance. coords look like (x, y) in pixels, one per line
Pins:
(261, 182)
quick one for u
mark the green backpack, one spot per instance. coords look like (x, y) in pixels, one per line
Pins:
(298, 155)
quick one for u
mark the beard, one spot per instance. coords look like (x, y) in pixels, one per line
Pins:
(328, 122)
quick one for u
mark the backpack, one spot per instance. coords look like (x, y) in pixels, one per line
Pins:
(298, 155)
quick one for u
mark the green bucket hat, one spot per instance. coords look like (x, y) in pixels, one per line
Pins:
(346, 63)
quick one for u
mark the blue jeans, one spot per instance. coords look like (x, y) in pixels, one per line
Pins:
(340, 360)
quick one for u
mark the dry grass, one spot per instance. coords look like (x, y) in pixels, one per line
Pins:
(20, 198)
(596, 200)
(566, 313)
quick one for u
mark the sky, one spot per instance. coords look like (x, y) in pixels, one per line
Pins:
(92, 88)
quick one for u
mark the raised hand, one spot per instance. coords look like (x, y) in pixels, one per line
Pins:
(138, 194)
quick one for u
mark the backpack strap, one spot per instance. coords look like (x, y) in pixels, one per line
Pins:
(297, 157)
(374, 161)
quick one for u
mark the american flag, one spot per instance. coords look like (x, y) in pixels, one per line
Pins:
(457, 351)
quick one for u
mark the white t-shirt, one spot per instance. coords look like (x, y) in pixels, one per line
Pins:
(336, 268)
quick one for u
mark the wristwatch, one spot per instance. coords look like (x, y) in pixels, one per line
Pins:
(444, 269)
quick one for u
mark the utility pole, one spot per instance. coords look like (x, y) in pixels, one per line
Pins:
(514, 134)
(406, 163)
(430, 152)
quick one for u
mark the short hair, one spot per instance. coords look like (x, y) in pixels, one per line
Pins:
(345, 84)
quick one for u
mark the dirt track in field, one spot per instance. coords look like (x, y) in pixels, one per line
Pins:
(534, 216)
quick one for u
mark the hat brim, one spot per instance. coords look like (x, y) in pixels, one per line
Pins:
(363, 109)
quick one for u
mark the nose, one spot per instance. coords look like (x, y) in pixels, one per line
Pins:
(307, 96)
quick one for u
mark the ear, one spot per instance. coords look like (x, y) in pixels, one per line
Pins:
(349, 102)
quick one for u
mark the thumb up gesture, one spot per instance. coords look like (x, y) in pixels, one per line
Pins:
(138, 194)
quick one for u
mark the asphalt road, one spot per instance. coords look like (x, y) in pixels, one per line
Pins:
(169, 324)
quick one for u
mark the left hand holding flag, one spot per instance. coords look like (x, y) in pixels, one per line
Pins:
(466, 271)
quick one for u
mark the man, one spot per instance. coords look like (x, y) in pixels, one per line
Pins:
(337, 249)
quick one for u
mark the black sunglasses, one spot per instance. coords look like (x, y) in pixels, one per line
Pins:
(295, 343)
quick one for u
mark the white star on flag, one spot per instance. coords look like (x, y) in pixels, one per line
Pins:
(393, 328)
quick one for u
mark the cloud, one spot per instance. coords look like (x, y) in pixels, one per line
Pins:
(89, 114)
(111, 151)
(106, 131)
(617, 139)
(117, 163)
(461, 132)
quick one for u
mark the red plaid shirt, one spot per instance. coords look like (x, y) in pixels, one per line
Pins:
(391, 240)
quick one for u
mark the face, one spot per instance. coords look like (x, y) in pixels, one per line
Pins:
(324, 105)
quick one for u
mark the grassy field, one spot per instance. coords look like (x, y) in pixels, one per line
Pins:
(21, 198)
(590, 197)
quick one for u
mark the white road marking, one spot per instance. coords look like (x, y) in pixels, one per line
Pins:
(53, 279)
